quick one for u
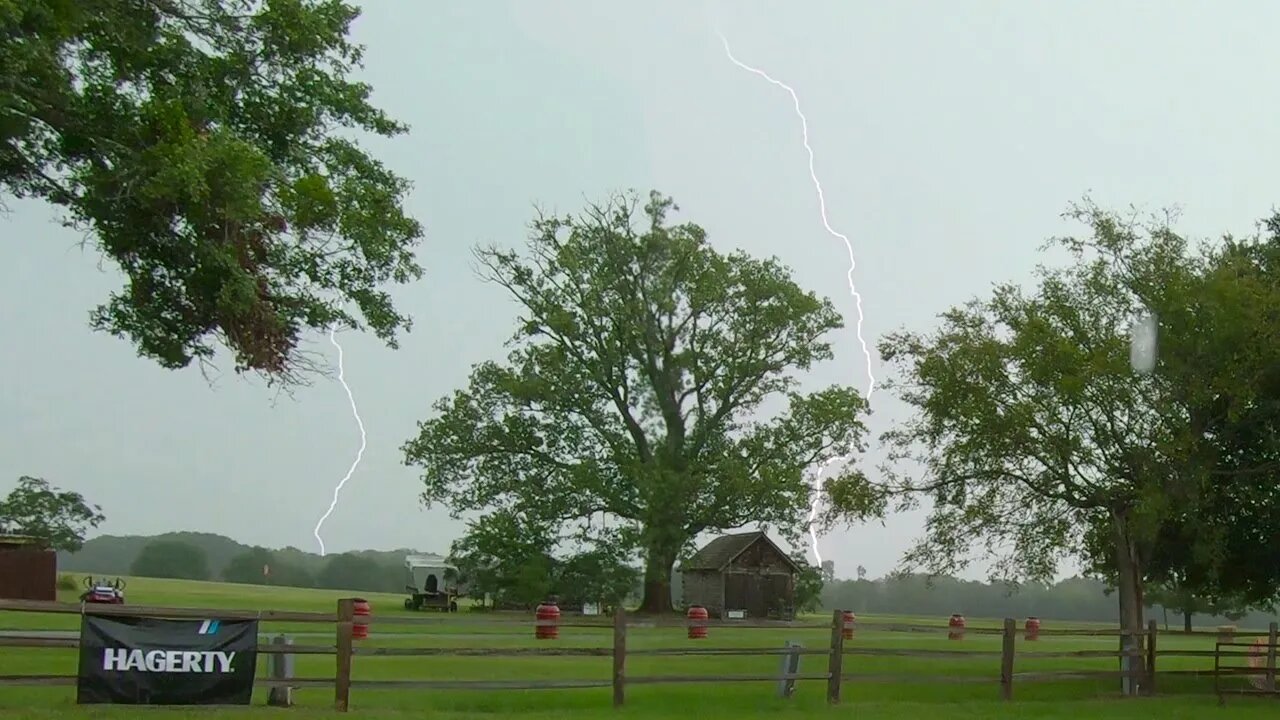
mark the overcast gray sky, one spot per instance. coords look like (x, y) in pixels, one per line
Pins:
(949, 138)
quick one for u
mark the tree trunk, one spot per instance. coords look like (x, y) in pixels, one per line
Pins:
(1186, 621)
(1129, 571)
(657, 581)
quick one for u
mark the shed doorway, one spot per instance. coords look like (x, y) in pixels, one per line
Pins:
(743, 591)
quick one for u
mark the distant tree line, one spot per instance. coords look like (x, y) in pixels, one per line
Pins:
(1075, 599)
(260, 566)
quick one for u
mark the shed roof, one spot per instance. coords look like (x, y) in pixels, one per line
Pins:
(718, 553)
(16, 540)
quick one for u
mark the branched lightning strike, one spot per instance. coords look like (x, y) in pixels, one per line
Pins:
(355, 411)
(853, 264)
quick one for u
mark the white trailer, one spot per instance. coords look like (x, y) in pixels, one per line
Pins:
(428, 583)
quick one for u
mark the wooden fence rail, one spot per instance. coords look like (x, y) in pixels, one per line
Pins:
(1139, 649)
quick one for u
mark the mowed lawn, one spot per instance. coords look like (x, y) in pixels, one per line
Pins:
(902, 685)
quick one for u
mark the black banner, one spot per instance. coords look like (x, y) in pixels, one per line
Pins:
(149, 661)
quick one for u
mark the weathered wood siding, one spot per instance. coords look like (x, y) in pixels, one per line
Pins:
(761, 558)
(28, 574)
(705, 588)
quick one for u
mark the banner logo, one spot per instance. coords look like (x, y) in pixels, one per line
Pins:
(166, 661)
(154, 661)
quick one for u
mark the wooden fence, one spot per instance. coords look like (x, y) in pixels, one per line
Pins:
(1142, 676)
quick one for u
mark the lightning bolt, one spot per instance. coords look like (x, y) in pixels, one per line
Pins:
(813, 504)
(355, 412)
(853, 263)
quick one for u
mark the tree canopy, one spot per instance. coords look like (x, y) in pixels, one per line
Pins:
(516, 563)
(1036, 436)
(58, 519)
(506, 558)
(636, 388)
(350, 571)
(1224, 544)
(171, 559)
(248, 566)
(205, 146)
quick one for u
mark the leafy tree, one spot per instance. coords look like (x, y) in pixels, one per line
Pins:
(635, 385)
(602, 575)
(1035, 433)
(1184, 601)
(506, 556)
(809, 584)
(193, 139)
(1214, 548)
(352, 572)
(57, 519)
(247, 568)
(171, 559)
(1223, 546)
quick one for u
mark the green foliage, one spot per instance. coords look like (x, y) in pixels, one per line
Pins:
(1075, 599)
(1031, 424)
(57, 519)
(195, 140)
(1224, 365)
(506, 557)
(636, 387)
(114, 554)
(514, 561)
(1040, 442)
(600, 575)
(247, 568)
(171, 559)
(809, 585)
(67, 583)
(1182, 599)
(235, 562)
(349, 571)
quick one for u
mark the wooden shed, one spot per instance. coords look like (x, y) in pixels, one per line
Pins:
(28, 571)
(745, 572)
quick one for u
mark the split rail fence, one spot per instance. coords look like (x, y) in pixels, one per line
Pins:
(1141, 676)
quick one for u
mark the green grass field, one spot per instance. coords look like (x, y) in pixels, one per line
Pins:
(911, 692)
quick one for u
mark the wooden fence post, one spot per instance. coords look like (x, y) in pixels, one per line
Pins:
(790, 667)
(1152, 629)
(1271, 657)
(342, 679)
(1007, 648)
(619, 656)
(281, 669)
(835, 664)
(1133, 677)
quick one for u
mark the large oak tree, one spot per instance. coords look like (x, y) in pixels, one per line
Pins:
(206, 147)
(637, 387)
